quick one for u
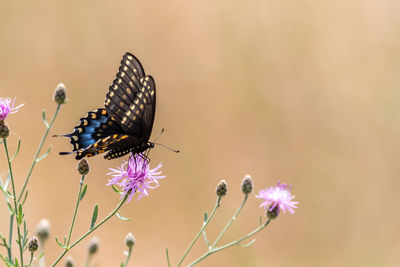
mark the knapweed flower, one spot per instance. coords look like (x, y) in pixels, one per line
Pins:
(7, 107)
(279, 197)
(135, 176)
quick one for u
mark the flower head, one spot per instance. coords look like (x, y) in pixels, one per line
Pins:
(6, 107)
(279, 197)
(135, 176)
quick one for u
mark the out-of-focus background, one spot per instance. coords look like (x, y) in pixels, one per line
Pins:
(306, 92)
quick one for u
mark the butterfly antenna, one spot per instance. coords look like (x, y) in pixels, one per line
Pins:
(162, 130)
(167, 147)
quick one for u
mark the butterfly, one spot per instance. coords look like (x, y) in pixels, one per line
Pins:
(126, 122)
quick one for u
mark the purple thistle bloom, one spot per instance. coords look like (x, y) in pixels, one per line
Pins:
(135, 176)
(6, 107)
(278, 196)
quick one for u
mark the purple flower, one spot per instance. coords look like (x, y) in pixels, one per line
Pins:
(135, 176)
(6, 107)
(278, 196)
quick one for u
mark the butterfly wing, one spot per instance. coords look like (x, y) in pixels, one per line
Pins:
(126, 122)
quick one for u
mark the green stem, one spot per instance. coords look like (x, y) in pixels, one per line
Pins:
(201, 230)
(38, 152)
(236, 242)
(167, 254)
(128, 257)
(91, 230)
(229, 222)
(10, 237)
(78, 201)
(15, 201)
(30, 262)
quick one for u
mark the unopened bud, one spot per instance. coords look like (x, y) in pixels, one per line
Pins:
(130, 240)
(83, 167)
(273, 213)
(4, 131)
(69, 262)
(222, 188)
(60, 94)
(93, 245)
(43, 229)
(247, 184)
(33, 244)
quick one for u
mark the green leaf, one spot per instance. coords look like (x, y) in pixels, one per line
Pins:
(17, 151)
(20, 215)
(40, 256)
(122, 217)
(44, 118)
(59, 243)
(8, 194)
(205, 216)
(122, 264)
(94, 216)
(116, 189)
(83, 192)
(44, 155)
(16, 262)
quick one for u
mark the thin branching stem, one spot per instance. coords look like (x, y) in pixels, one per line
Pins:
(30, 172)
(201, 230)
(236, 242)
(78, 201)
(30, 261)
(46, 133)
(229, 222)
(15, 202)
(90, 231)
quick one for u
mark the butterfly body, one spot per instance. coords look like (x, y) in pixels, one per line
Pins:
(126, 122)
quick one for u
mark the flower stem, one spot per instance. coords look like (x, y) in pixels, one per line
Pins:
(78, 201)
(229, 222)
(30, 262)
(15, 203)
(128, 257)
(38, 151)
(236, 242)
(10, 237)
(90, 231)
(201, 230)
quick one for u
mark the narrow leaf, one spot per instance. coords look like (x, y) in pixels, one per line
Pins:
(44, 155)
(19, 215)
(40, 256)
(94, 216)
(116, 189)
(44, 118)
(16, 262)
(6, 261)
(205, 216)
(83, 192)
(8, 194)
(25, 196)
(59, 243)
(17, 151)
(122, 217)
(248, 244)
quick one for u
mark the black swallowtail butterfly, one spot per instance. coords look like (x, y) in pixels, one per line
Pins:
(125, 124)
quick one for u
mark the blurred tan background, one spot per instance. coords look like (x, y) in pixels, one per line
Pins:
(306, 92)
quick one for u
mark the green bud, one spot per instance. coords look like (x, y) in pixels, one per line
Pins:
(130, 240)
(83, 167)
(60, 94)
(247, 184)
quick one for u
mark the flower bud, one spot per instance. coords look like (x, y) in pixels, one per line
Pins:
(273, 213)
(4, 131)
(83, 167)
(60, 94)
(129, 240)
(93, 245)
(247, 184)
(222, 188)
(43, 230)
(33, 244)
(69, 262)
